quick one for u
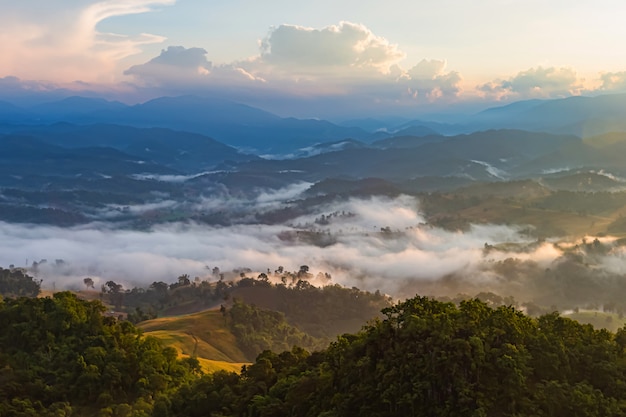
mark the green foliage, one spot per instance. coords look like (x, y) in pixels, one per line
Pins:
(431, 358)
(322, 312)
(15, 282)
(257, 330)
(59, 357)
(60, 354)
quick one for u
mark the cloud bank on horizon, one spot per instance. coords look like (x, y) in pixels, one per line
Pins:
(296, 68)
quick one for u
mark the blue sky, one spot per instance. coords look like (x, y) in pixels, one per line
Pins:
(311, 58)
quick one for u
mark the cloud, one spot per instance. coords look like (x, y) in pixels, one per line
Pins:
(427, 69)
(294, 58)
(347, 46)
(362, 254)
(174, 63)
(298, 71)
(613, 81)
(537, 82)
(325, 71)
(63, 44)
(429, 78)
(178, 66)
(372, 243)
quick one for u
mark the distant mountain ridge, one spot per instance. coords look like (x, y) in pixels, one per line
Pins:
(481, 155)
(577, 115)
(232, 123)
(183, 151)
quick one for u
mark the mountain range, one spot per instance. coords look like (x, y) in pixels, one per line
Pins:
(101, 152)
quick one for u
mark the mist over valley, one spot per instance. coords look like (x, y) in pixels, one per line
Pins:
(501, 211)
(319, 209)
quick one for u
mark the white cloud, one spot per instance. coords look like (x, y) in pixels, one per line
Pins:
(178, 66)
(346, 46)
(363, 256)
(427, 69)
(291, 58)
(429, 79)
(65, 45)
(339, 66)
(374, 243)
(613, 81)
(537, 82)
(174, 63)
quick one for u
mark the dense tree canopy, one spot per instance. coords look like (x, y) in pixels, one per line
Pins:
(14, 282)
(60, 354)
(428, 358)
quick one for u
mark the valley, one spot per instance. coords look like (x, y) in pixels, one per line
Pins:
(285, 239)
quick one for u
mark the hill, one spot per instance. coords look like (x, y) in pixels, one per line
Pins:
(432, 358)
(180, 151)
(232, 123)
(204, 335)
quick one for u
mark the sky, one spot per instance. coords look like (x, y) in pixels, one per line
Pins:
(317, 58)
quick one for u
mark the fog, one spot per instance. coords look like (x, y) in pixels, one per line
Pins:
(373, 244)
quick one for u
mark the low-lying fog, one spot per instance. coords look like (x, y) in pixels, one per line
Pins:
(374, 243)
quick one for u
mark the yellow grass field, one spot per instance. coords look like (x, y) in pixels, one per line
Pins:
(204, 335)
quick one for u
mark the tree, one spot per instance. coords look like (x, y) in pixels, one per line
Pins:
(114, 287)
(15, 282)
(304, 272)
(183, 280)
(116, 294)
(59, 356)
(88, 282)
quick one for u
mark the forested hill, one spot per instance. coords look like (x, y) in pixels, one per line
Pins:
(429, 358)
(60, 357)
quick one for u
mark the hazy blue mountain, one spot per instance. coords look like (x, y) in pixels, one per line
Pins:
(25, 155)
(329, 147)
(481, 155)
(582, 116)
(407, 141)
(416, 130)
(12, 114)
(372, 124)
(182, 151)
(197, 112)
(74, 108)
(421, 127)
(244, 126)
(229, 122)
(604, 152)
(508, 111)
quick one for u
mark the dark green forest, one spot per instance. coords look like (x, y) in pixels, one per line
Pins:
(60, 356)
(429, 358)
(14, 282)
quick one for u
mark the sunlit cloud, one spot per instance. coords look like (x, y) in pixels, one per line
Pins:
(66, 45)
(346, 46)
(536, 82)
(343, 62)
(378, 243)
(429, 78)
(371, 243)
(613, 81)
